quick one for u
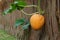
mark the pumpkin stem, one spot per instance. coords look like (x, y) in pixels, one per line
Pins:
(39, 8)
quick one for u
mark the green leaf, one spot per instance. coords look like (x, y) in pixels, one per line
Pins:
(26, 26)
(20, 4)
(19, 22)
(13, 6)
(9, 10)
(6, 12)
(42, 12)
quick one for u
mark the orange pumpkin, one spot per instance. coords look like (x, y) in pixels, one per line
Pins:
(36, 21)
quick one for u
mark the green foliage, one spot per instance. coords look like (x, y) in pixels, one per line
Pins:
(26, 26)
(22, 22)
(19, 22)
(10, 9)
(19, 5)
(42, 12)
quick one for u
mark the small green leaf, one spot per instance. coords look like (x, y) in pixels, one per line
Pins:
(42, 12)
(19, 22)
(9, 10)
(26, 26)
(20, 4)
(6, 12)
(13, 6)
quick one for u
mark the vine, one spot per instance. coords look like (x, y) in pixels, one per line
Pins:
(20, 5)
